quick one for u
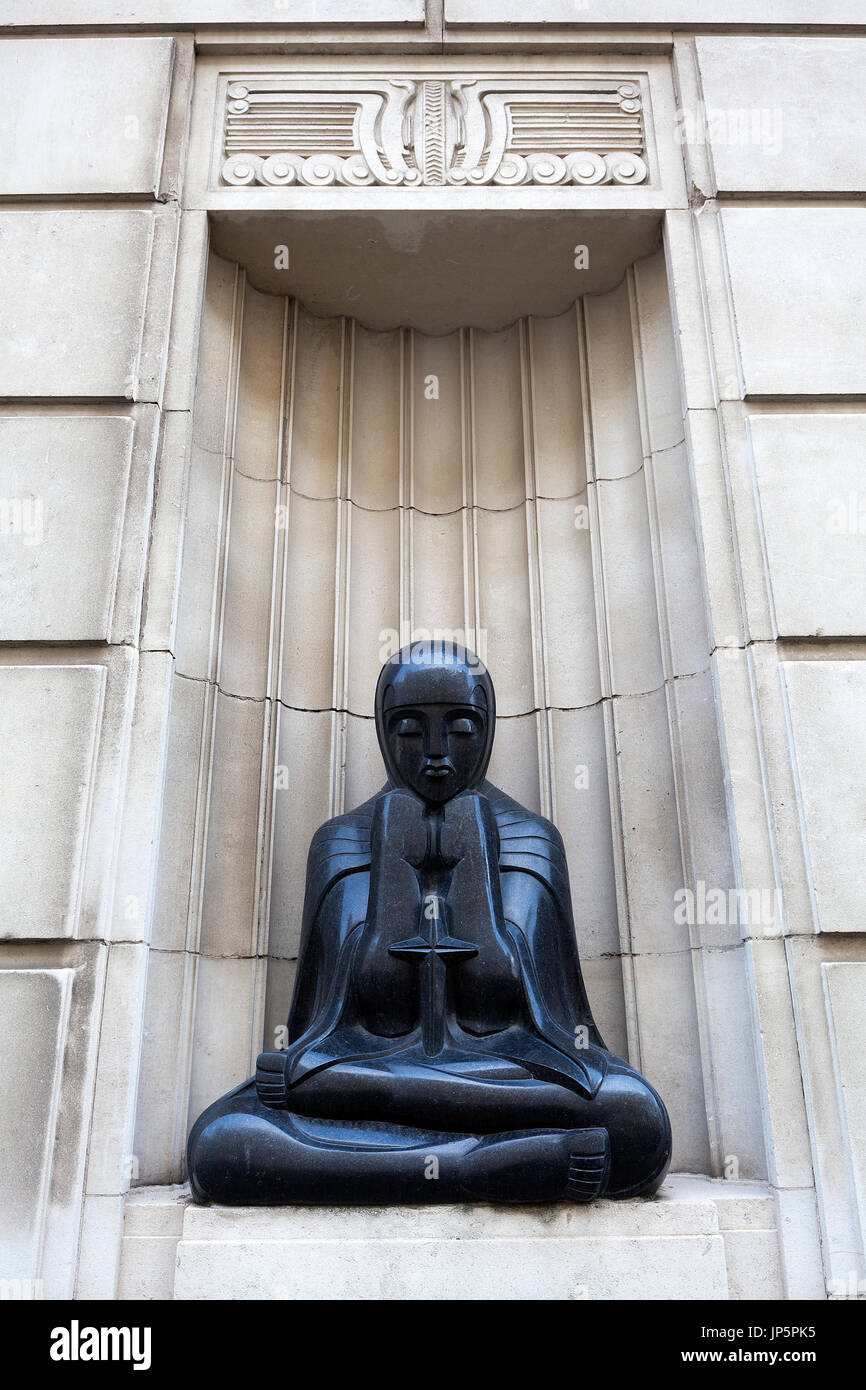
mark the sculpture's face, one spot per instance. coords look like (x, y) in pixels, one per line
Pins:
(435, 714)
(437, 749)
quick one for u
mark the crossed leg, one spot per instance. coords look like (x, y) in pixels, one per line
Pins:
(544, 1143)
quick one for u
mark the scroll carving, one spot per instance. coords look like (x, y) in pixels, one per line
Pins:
(462, 132)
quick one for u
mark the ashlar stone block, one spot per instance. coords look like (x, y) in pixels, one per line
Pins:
(50, 718)
(34, 1013)
(809, 471)
(826, 701)
(797, 280)
(74, 286)
(781, 114)
(844, 983)
(66, 504)
(84, 115)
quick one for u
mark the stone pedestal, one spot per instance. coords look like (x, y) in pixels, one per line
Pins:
(698, 1239)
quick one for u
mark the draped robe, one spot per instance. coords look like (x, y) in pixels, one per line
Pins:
(552, 1037)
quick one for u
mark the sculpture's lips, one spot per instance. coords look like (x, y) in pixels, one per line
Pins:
(437, 771)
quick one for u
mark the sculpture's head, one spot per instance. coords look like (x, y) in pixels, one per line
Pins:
(435, 714)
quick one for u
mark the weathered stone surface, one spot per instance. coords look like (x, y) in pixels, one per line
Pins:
(160, 1130)
(788, 1155)
(631, 615)
(616, 427)
(152, 1227)
(841, 1221)
(688, 1209)
(809, 471)
(84, 115)
(111, 1161)
(781, 114)
(510, 14)
(223, 1045)
(64, 487)
(248, 580)
(800, 1238)
(73, 289)
(798, 289)
(161, 579)
(251, 12)
(50, 726)
(34, 1015)
(463, 1253)
(101, 1234)
(688, 12)
(844, 984)
(229, 915)
(826, 700)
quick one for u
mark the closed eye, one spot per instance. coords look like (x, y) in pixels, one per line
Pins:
(408, 728)
(461, 726)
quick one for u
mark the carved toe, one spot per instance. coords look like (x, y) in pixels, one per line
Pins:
(588, 1165)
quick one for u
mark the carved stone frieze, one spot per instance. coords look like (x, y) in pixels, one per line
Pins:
(405, 132)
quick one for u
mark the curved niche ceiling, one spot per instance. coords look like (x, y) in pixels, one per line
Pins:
(436, 270)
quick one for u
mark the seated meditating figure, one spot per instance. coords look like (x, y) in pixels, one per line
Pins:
(440, 1043)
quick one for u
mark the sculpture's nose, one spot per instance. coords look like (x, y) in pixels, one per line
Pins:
(436, 742)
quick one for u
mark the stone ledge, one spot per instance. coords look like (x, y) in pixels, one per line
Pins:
(699, 1238)
(376, 1268)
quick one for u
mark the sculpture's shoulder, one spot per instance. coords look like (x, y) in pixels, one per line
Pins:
(530, 848)
(530, 844)
(350, 826)
(517, 823)
(341, 845)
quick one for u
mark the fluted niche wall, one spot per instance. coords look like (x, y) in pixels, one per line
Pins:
(529, 489)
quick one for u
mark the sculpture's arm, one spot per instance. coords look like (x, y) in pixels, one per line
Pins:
(342, 908)
(487, 986)
(320, 982)
(546, 934)
(386, 986)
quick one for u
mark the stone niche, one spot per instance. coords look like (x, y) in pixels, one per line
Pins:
(439, 404)
(524, 483)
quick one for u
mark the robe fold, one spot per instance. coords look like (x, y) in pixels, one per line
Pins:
(554, 1038)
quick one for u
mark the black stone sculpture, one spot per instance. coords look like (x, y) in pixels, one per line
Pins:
(440, 1043)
